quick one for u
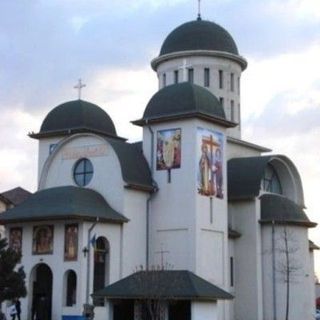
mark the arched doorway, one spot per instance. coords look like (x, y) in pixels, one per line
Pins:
(41, 284)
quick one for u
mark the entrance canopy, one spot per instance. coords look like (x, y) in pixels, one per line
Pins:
(164, 285)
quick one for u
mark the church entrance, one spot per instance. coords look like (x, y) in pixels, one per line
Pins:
(180, 310)
(123, 310)
(41, 278)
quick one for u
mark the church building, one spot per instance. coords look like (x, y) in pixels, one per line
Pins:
(193, 216)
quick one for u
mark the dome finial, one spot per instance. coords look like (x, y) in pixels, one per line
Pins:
(199, 10)
(79, 86)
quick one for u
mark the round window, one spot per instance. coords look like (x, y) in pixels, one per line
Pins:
(83, 172)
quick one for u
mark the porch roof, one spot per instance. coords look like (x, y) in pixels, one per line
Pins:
(164, 285)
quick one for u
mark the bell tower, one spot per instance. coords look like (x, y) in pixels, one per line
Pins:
(203, 53)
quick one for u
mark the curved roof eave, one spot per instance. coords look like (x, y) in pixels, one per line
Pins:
(280, 210)
(66, 202)
(245, 174)
(134, 167)
(71, 131)
(186, 115)
(207, 53)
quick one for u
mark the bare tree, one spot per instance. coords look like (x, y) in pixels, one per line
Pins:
(287, 266)
(156, 291)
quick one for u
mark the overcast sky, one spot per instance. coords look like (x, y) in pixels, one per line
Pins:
(45, 46)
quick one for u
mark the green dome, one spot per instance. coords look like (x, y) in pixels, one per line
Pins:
(77, 116)
(199, 35)
(183, 99)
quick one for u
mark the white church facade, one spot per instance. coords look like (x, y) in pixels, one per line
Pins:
(223, 222)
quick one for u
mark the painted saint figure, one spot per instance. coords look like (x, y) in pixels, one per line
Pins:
(71, 242)
(204, 169)
(43, 240)
(218, 173)
(15, 239)
(210, 168)
(168, 149)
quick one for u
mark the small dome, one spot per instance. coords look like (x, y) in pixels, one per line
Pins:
(183, 99)
(77, 116)
(199, 35)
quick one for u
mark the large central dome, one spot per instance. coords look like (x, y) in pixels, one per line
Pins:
(199, 35)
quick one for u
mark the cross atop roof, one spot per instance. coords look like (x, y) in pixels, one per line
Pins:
(79, 86)
(199, 9)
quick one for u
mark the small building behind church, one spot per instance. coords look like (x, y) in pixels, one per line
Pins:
(192, 215)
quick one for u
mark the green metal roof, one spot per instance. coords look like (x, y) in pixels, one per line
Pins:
(281, 210)
(164, 284)
(199, 35)
(134, 167)
(184, 100)
(244, 176)
(67, 202)
(74, 117)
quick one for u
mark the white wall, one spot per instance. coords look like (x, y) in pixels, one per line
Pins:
(301, 285)
(247, 262)
(181, 225)
(204, 310)
(107, 177)
(235, 150)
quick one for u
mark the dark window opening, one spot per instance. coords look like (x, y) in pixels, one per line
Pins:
(176, 76)
(71, 291)
(231, 82)
(180, 310)
(190, 75)
(231, 272)
(206, 77)
(220, 79)
(164, 80)
(221, 101)
(232, 111)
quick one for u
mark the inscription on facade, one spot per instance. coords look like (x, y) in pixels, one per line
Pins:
(91, 151)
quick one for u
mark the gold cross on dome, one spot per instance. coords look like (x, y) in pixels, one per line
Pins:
(79, 86)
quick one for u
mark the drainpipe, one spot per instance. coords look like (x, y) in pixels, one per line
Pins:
(88, 259)
(274, 274)
(155, 188)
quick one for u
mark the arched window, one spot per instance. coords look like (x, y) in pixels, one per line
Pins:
(101, 267)
(270, 181)
(71, 288)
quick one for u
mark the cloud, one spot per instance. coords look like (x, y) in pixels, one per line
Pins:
(46, 45)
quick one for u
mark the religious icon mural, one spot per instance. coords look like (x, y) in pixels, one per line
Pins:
(15, 239)
(71, 242)
(168, 149)
(42, 239)
(210, 154)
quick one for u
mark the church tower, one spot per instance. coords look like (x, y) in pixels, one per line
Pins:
(184, 141)
(204, 53)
